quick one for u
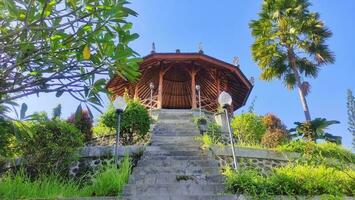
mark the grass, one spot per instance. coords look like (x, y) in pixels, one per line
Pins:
(292, 180)
(108, 181)
(19, 186)
(326, 149)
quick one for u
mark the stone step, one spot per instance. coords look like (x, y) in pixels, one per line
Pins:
(180, 146)
(176, 120)
(180, 163)
(173, 189)
(172, 148)
(167, 178)
(174, 153)
(162, 157)
(140, 170)
(172, 134)
(182, 197)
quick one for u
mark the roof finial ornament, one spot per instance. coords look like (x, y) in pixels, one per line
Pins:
(153, 48)
(200, 47)
(252, 80)
(235, 61)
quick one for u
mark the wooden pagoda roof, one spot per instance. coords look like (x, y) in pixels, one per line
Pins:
(176, 74)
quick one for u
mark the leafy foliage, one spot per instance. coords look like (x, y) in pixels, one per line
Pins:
(290, 44)
(292, 180)
(135, 122)
(315, 129)
(101, 130)
(83, 122)
(52, 146)
(248, 128)
(274, 138)
(318, 151)
(8, 143)
(351, 114)
(272, 122)
(214, 132)
(64, 46)
(276, 133)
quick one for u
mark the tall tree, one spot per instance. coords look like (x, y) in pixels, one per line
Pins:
(64, 46)
(351, 114)
(290, 44)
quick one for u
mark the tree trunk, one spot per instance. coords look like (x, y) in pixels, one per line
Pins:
(299, 85)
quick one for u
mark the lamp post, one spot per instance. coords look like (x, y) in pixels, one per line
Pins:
(151, 86)
(120, 105)
(225, 100)
(198, 88)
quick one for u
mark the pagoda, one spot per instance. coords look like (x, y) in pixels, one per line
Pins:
(169, 80)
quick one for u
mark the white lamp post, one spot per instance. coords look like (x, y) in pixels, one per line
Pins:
(151, 86)
(225, 100)
(120, 105)
(198, 88)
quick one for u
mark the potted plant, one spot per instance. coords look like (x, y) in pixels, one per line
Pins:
(202, 124)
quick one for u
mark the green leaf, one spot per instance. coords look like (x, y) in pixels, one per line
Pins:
(23, 111)
(59, 93)
(78, 113)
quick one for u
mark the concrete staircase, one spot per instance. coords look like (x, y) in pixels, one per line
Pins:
(174, 167)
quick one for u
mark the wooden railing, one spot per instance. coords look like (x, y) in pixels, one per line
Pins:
(150, 103)
(207, 103)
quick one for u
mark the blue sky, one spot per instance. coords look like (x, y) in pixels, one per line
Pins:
(222, 27)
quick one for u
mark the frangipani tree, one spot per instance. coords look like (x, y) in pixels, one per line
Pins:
(290, 44)
(64, 46)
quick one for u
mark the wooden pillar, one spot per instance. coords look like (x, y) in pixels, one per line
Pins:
(193, 88)
(160, 89)
(218, 83)
(136, 91)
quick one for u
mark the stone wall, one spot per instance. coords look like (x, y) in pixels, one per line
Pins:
(263, 160)
(90, 158)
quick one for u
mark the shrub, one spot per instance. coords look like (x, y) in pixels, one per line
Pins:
(273, 138)
(292, 180)
(272, 122)
(101, 130)
(135, 122)
(83, 122)
(8, 142)
(248, 128)
(314, 150)
(316, 129)
(214, 132)
(51, 147)
(110, 180)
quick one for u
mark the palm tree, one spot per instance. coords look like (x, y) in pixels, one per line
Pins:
(290, 44)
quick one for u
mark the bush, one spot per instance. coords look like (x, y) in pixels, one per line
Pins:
(101, 130)
(51, 146)
(135, 122)
(272, 122)
(248, 128)
(292, 180)
(214, 132)
(274, 138)
(317, 151)
(83, 122)
(8, 142)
